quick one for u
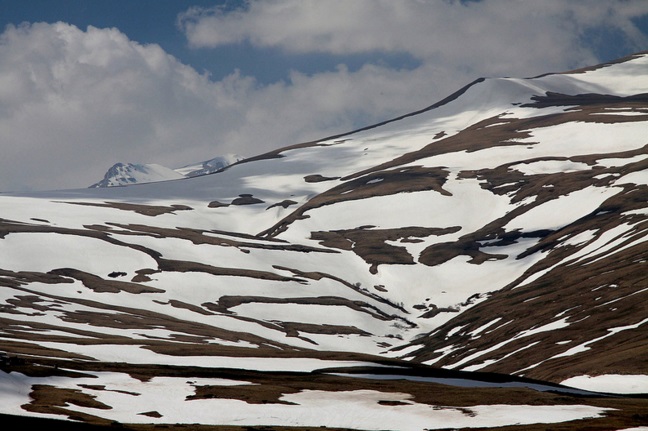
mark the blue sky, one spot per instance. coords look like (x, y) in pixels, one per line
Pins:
(88, 83)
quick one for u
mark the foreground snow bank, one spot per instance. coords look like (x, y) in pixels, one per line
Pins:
(173, 400)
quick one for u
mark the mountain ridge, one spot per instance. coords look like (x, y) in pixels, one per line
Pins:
(501, 231)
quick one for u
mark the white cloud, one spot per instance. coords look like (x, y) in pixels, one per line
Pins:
(73, 102)
(488, 37)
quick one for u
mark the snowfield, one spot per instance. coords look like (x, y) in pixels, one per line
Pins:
(499, 239)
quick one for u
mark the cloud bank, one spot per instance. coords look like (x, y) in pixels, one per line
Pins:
(489, 37)
(73, 102)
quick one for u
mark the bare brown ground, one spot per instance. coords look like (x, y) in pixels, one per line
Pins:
(317, 178)
(371, 244)
(147, 210)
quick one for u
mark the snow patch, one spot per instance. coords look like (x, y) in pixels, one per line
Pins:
(610, 383)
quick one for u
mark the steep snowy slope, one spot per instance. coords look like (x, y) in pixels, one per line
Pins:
(502, 230)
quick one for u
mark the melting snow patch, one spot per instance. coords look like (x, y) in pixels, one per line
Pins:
(455, 330)
(585, 346)
(476, 332)
(409, 349)
(604, 243)
(507, 185)
(610, 383)
(640, 211)
(548, 327)
(564, 312)
(638, 178)
(628, 113)
(444, 352)
(550, 167)
(618, 161)
(562, 323)
(563, 210)
(492, 361)
(581, 238)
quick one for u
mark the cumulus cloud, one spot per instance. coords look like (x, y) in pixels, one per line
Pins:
(72, 102)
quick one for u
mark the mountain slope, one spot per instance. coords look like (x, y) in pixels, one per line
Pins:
(502, 230)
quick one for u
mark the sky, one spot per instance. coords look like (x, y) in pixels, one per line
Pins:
(85, 84)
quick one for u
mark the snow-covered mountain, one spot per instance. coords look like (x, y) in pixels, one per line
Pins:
(478, 263)
(124, 174)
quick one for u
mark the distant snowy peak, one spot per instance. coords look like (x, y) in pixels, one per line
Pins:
(123, 174)
(209, 166)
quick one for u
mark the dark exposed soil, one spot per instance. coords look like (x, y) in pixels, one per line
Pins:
(371, 244)
(148, 210)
